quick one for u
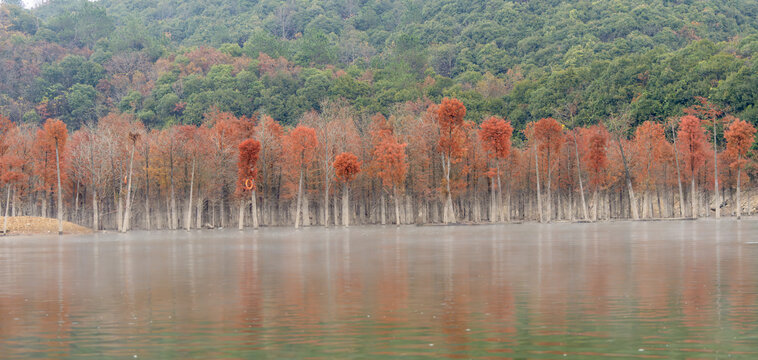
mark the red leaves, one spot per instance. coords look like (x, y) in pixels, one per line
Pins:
(596, 156)
(692, 142)
(302, 143)
(450, 115)
(246, 169)
(346, 166)
(549, 133)
(54, 132)
(495, 134)
(740, 136)
(390, 162)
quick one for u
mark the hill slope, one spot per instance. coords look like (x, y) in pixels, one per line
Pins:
(523, 60)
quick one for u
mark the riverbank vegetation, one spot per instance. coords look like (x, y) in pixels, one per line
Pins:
(376, 111)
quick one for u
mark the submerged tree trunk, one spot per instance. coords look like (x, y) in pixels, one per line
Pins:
(188, 222)
(693, 197)
(128, 210)
(579, 175)
(539, 191)
(299, 204)
(255, 209)
(397, 206)
(60, 197)
(7, 205)
(95, 222)
(739, 203)
(345, 205)
(632, 200)
(241, 219)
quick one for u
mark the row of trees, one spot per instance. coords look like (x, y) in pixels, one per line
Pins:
(337, 168)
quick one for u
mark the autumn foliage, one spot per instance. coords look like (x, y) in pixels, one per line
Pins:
(247, 171)
(346, 166)
(495, 134)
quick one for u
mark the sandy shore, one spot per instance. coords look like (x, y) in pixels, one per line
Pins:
(30, 225)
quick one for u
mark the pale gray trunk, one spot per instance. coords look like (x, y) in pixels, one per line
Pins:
(678, 174)
(8, 202)
(188, 222)
(199, 213)
(717, 193)
(579, 175)
(95, 222)
(539, 191)
(383, 208)
(299, 203)
(739, 203)
(345, 205)
(241, 219)
(60, 197)
(632, 199)
(128, 210)
(255, 209)
(397, 206)
(693, 196)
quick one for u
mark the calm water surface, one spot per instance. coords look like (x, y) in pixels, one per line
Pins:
(685, 290)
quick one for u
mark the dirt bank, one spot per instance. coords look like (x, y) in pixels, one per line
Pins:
(29, 225)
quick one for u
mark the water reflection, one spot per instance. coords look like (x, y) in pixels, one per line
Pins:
(672, 289)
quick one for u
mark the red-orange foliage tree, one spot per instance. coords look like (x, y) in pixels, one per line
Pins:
(495, 134)
(692, 142)
(390, 160)
(301, 143)
(247, 172)
(450, 115)
(740, 136)
(650, 151)
(54, 136)
(10, 162)
(346, 167)
(597, 161)
(712, 117)
(549, 135)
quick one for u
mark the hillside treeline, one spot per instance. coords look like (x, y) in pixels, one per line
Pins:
(169, 62)
(423, 164)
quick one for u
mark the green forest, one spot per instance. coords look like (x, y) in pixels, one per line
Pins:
(171, 62)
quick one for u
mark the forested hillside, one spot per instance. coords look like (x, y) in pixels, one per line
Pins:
(170, 61)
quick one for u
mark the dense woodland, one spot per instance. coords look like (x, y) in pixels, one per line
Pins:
(179, 114)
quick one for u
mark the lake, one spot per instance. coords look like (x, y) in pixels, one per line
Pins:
(675, 289)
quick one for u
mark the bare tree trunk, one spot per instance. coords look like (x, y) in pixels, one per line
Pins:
(494, 208)
(188, 222)
(345, 205)
(383, 208)
(199, 213)
(8, 202)
(632, 200)
(678, 174)
(397, 206)
(539, 191)
(95, 222)
(255, 209)
(299, 204)
(60, 197)
(595, 206)
(147, 186)
(693, 196)
(579, 175)
(739, 203)
(549, 189)
(448, 215)
(128, 210)
(241, 219)
(716, 192)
